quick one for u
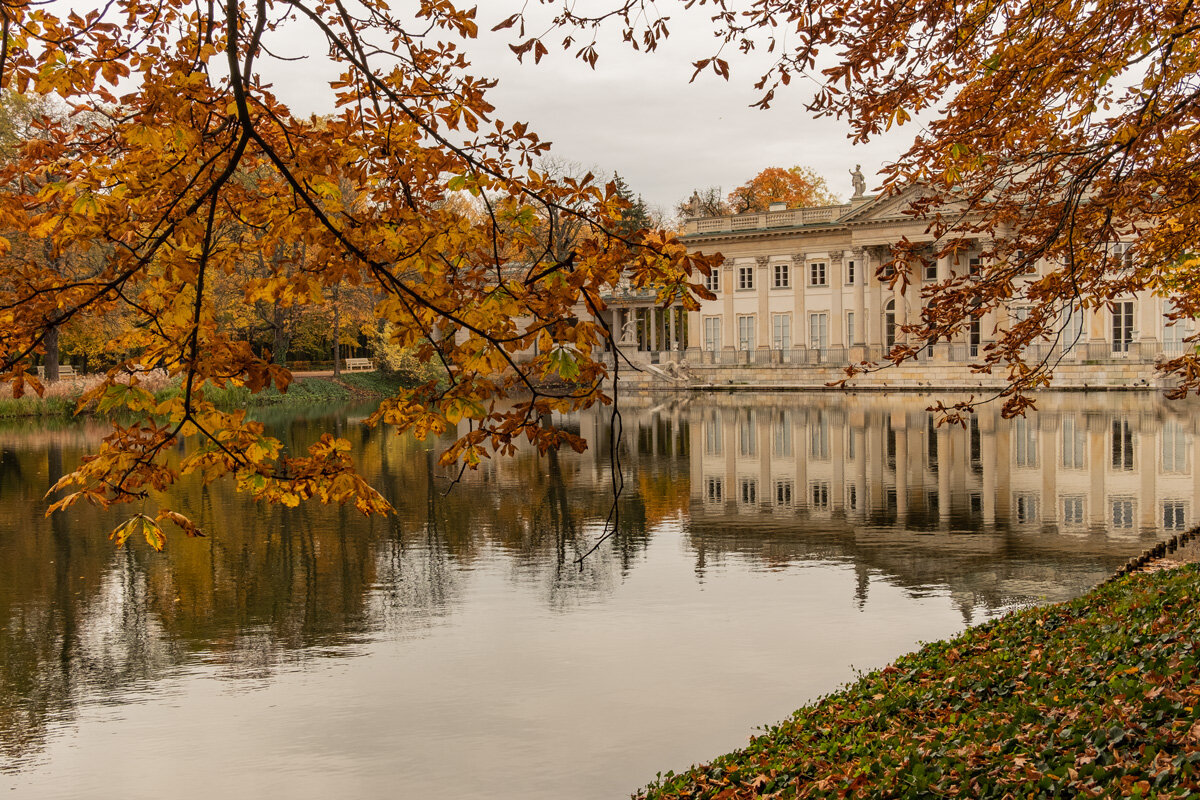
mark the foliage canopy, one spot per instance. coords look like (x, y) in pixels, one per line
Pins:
(174, 168)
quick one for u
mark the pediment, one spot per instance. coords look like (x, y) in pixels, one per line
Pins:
(884, 208)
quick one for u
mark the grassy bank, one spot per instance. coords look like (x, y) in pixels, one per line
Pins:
(1099, 697)
(303, 392)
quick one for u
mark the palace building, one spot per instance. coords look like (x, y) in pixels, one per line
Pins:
(798, 298)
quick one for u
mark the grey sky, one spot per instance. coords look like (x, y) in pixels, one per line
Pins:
(637, 113)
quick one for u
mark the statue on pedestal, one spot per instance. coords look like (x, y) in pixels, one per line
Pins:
(860, 183)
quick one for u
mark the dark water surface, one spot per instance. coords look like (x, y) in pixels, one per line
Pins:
(768, 546)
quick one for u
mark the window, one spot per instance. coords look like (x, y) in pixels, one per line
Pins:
(714, 490)
(783, 493)
(749, 491)
(1025, 442)
(818, 331)
(1175, 446)
(781, 331)
(783, 276)
(746, 332)
(852, 497)
(1122, 326)
(820, 495)
(818, 438)
(1073, 510)
(816, 273)
(931, 441)
(712, 333)
(1174, 515)
(975, 445)
(973, 338)
(781, 438)
(713, 444)
(748, 435)
(1172, 337)
(889, 323)
(974, 267)
(1074, 444)
(1072, 330)
(850, 271)
(1122, 445)
(1122, 512)
(931, 272)
(850, 328)
(713, 281)
(1025, 507)
(745, 277)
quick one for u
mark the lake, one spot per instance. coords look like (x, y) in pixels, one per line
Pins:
(766, 548)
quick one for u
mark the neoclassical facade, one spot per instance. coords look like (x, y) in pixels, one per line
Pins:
(799, 287)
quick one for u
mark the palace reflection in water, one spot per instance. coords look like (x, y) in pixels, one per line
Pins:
(922, 524)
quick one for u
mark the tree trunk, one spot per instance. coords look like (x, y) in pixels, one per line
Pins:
(337, 332)
(51, 359)
(281, 333)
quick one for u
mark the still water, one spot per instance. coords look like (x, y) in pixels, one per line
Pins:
(767, 547)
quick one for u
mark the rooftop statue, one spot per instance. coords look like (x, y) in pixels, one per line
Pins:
(860, 183)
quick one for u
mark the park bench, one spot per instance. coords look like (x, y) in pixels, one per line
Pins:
(354, 364)
(65, 371)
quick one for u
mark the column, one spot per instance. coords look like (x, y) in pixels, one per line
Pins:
(988, 460)
(860, 296)
(728, 317)
(1048, 427)
(762, 292)
(799, 282)
(837, 318)
(945, 467)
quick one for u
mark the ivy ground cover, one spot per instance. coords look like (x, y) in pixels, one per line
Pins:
(1097, 697)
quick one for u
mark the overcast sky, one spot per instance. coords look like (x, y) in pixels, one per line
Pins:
(637, 114)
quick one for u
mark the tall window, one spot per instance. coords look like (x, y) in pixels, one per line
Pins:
(818, 438)
(1172, 337)
(1122, 512)
(931, 272)
(973, 338)
(1072, 332)
(1174, 515)
(1074, 444)
(1073, 510)
(889, 323)
(1025, 442)
(745, 324)
(781, 435)
(712, 333)
(783, 276)
(1122, 445)
(745, 277)
(781, 331)
(819, 492)
(816, 274)
(1175, 446)
(850, 271)
(1122, 326)
(715, 489)
(818, 331)
(748, 434)
(783, 493)
(713, 281)
(850, 328)
(749, 491)
(713, 440)
(1026, 507)
(974, 267)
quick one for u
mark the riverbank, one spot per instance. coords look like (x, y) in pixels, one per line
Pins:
(305, 390)
(1097, 696)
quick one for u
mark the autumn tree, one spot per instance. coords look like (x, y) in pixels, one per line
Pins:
(707, 202)
(796, 186)
(1052, 133)
(169, 106)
